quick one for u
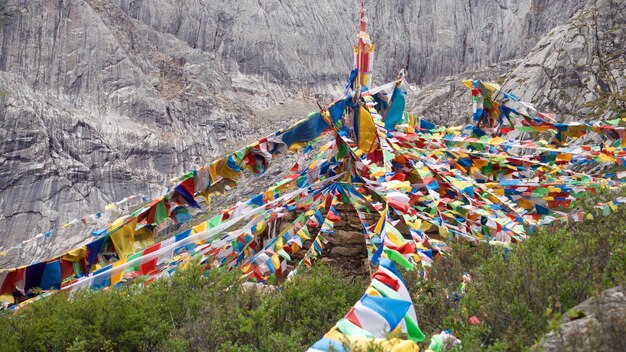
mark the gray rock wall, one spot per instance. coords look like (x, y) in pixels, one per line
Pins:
(100, 99)
(578, 69)
(296, 42)
(597, 324)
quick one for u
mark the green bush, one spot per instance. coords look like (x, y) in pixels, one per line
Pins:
(519, 293)
(516, 293)
(434, 299)
(290, 319)
(192, 312)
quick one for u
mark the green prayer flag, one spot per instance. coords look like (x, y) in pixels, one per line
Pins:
(398, 259)
(413, 331)
(161, 212)
(214, 221)
(130, 258)
(281, 252)
(614, 121)
(349, 329)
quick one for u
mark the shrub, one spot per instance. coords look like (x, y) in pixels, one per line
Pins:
(291, 319)
(194, 311)
(438, 296)
(515, 294)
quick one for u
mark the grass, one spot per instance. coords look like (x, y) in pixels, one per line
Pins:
(607, 101)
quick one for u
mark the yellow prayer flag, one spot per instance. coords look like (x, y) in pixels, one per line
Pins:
(382, 344)
(303, 234)
(279, 242)
(525, 203)
(605, 158)
(372, 292)
(296, 146)
(564, 157)
(124, 238)
(367, 130)
(480, 162)
(276, 261)
(200, 227)
(117, 273)
(260, 227)
(75, 254)
(225, 171)
(381, 221)
(394, 235)
(7, 298)
(491, 87)
(497, 141)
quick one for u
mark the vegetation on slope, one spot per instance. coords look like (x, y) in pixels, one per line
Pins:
(517, 294)
(193, 312)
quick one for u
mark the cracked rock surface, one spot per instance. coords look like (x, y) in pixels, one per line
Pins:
(577, 70)
(597, 324)
(102, 99)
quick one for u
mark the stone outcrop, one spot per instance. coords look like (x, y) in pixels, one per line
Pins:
(447, 101)
(597, 324)
(346, 249)
(97, 106)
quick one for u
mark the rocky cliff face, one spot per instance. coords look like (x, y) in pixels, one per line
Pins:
(298, 43)
(96, 106)
(100, 99)
(577, 70)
